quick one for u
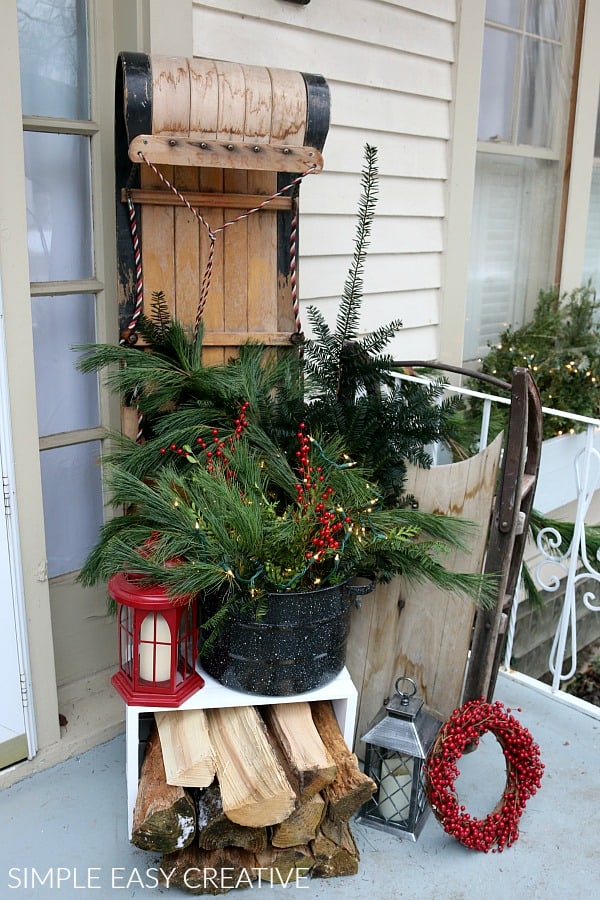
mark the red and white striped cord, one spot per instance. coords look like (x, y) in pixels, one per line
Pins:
(139, 283)
(293, 265)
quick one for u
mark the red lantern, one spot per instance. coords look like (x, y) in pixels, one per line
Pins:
(158, 644)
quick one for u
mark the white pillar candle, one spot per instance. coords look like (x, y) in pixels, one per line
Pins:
(396, 774)
(155, 646)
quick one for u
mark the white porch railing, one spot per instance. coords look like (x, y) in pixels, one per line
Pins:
(574, 478)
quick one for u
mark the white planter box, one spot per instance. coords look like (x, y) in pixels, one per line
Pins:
(557, 482)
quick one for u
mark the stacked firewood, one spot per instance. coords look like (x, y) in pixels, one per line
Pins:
(255, 793)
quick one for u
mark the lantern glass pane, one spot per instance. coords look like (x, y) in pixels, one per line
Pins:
(395, 785)
(400, 803)
(126, 630)
(187, 640)
(155, 648)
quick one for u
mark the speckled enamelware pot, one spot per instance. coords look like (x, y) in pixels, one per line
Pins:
(297, 646)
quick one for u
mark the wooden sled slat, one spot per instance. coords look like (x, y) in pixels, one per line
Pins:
(165, 150)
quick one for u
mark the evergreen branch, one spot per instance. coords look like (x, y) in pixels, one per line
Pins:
(349, 313)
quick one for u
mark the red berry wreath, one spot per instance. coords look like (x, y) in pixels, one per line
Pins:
(524, 772)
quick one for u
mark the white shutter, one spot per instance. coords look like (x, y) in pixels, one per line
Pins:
(495, 268)
(591, 263)
(511, 244)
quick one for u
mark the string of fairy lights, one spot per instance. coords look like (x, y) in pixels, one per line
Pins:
(581, 368)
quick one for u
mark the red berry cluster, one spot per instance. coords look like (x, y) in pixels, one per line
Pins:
(327, 537)
(523, 775)
(218, 446)
(311, 478)
(175, 448)
(305, 469)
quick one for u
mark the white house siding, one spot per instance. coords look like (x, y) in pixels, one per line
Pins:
(388, 64)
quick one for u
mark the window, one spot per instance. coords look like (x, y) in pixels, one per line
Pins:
(524, 103)
(59, 135)
(591, 263)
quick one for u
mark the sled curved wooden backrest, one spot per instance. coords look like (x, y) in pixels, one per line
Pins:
(227, 137)
(434, 637)
(419, 630)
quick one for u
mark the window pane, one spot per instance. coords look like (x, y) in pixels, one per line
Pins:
(59, 217)
(497, 85)
(72, 492)
(505, 12)
(66, 399)
(512, 244)
(538, 93)
(591, 265)
(54, 59)
(545, 17)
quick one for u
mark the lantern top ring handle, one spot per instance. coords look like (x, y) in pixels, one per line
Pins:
(404, 696)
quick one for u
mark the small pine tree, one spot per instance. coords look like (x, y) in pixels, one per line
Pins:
(383, 421)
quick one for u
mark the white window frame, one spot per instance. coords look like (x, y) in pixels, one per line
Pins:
(464, 146)
(512, 147)
(104, 254)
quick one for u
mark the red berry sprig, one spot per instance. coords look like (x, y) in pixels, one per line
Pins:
(307, 491)
(219, 448)
(524, 771)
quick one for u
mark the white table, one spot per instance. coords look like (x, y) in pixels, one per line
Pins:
(340, 691)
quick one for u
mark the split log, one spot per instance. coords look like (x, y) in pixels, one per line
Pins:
(334, 850)
(254, 788)
(164, 817)
(303, 824)
(187, 752)
(208, 871)
(311, 764)
(288, 865)
(351, 787)
(216, 831)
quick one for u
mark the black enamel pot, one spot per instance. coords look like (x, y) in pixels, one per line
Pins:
(297, 646)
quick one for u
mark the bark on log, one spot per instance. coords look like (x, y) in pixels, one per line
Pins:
(216, 831)
(254, 789)
(302, 826)
(334, 850)
(289, 865)
(309, 760)
(351, 787)
(164, 817)
(208, 871)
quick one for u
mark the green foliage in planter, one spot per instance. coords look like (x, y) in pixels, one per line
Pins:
(243, 523)
(561, 347)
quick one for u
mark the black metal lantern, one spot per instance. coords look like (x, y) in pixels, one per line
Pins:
(397, 743)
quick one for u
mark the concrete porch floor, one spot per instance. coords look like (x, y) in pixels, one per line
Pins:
(70, 823)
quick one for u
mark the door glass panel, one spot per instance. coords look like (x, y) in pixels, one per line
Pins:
(497, 85)
(59, 221)
(54, 60)
(72, 494)
(66, 399)
(504, 12)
